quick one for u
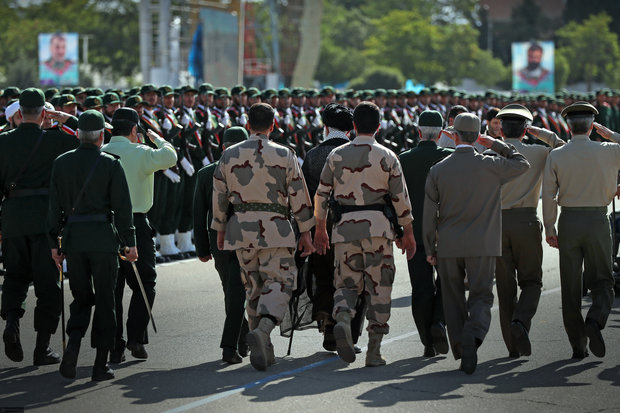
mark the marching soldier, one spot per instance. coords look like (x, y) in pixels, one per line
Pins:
(26, 157)
(363, 178)
(233, 344)
(140, 162)
(236, 111)
(263, 182)
(581, 177)
(87, 187)
(520, 266)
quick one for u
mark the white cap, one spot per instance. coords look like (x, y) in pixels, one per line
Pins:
(11, 109)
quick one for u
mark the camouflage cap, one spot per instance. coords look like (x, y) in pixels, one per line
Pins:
(430, 118)
(92, 102)
(110, 98)
(67, 100)
(133, 101)
(91, 120)
(234, 135)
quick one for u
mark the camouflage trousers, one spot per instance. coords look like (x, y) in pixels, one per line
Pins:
(269, 276)
(365, 266)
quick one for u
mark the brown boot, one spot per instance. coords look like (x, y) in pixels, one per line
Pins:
(373, 355)
(342, 334)
(258, 340)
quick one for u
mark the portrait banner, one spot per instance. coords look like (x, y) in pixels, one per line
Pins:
(58, 59)
(533, 67)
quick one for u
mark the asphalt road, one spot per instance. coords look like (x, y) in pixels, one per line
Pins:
(184, 371)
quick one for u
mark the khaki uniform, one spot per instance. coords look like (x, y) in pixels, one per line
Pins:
(521, 261)
(581, 178)
(262, 180)
(361, 173)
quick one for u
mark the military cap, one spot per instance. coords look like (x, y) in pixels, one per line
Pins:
(189, 89)
(78, 91)
(514, 110)
(467, 122)
(284, 92)
(253, 92)
(380, 92)
(222, 92)
(110, 98)
(430, 118)
(579, 108)
(147, 88)
(178, 91)
(11, 109)
(349, 94)
(55, 100)
(310, 93)
(66, 100)
(133, 101)
(237, 90)
(49, 93)
(92, 102)
(490, 94)
(424, 92)
(91, 120)
(433, 90)
(411, 93)
(166, 90)
(133, 91)
(95, 91)
(269, 93)
(326, 91)
(298, 92)
(127, 115)
(204, 88)
(32, 98)
(235, 134)
(392, 93)
(66, 91)
(10, 92)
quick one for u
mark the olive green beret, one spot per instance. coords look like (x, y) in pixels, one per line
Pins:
(235, 134)
(91, 120)
(32, 98)
(430, 118)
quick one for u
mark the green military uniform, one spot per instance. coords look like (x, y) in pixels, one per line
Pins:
(226, 263)
(88, 189)
(24, 245)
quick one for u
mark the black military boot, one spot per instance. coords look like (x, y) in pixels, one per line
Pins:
(68, 365)
(118, 354)
(12, 345)
(43, 354)
(101, 370)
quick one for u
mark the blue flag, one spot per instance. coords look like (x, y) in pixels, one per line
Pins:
(195, 55)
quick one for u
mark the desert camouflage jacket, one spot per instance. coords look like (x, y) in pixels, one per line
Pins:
(260, 173)
(362, 172)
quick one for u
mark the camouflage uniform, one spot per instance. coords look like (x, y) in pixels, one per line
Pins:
(261, 179)
(361, 173)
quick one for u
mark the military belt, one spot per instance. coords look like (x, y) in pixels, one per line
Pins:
(19, 193)
(88, 218)
(584, 209)
(258, 206)
(524, 210)
(356, 208)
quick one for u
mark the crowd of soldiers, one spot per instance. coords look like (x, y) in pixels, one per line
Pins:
(200, 123)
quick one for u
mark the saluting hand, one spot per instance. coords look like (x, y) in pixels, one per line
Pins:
(533, 130)
(486, 141)
(152, 135)
(603, 131)
(61, 117)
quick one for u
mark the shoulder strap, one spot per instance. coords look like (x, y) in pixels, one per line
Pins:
(13, 183)
(88, 178)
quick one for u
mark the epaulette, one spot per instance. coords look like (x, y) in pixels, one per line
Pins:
(111, 154)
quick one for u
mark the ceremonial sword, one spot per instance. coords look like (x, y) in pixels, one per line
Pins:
(137, 274)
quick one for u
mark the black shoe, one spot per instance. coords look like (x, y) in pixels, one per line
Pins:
(597, 344)
(429, 351)
(440, 340)
(579, 354)
(68, 365)
(231, 356)
(117, 356)
(101, 373)
(45, 357)
(12, 345)
(520, 338)
(175, 257)
(329, 341)
(137, 350)
(514, 355)
(160, 259)
(242, 348)
(469, 359)
(357, 349)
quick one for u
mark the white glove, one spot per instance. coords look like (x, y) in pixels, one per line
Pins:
(243, 120)
(302, 121)
(167, 124)
(384, 124)
(187, 165)
(316, 122)
(205, 161)
(185, 120)
(172, 176)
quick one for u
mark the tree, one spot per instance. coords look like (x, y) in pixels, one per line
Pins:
(591, 49)
(379, 77)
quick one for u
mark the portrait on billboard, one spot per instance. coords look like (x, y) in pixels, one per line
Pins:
(58, 59)
(533, 67)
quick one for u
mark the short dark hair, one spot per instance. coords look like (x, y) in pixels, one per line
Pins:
(492, 113)
(456, 110)
(366, 118)
(534, 47)
(338, 116)
(122, 127)
(580, 124)
(261, 117)
(513, 127)
(468, 137)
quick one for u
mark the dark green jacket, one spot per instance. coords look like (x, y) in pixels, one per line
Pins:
(26, 215)
(416, 163)
(106, 192)
(204, 237)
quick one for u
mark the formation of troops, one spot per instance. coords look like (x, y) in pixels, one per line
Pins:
(104, 185)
